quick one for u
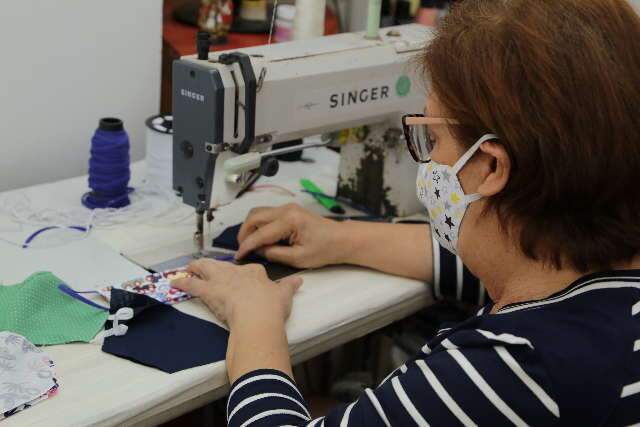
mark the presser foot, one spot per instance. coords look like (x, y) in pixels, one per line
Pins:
(198, 236)
(198, 240)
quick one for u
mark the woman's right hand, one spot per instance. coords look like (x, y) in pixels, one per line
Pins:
(314, 241)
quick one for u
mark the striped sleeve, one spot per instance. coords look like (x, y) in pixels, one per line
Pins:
(266, 397)
(472, 378)
(453, 281)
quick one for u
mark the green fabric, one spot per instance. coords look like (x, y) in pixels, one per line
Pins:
(39, 311)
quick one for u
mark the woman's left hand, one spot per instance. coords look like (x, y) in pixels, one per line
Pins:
(232, 291)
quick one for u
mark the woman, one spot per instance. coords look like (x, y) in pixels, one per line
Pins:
(530, 171)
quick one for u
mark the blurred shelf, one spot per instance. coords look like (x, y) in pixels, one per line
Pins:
(179, 39)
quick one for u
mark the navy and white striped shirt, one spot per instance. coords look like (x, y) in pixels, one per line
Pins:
(571, 359)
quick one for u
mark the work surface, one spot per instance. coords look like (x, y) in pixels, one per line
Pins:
(335, 305)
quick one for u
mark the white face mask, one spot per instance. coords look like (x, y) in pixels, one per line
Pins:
(440, 191)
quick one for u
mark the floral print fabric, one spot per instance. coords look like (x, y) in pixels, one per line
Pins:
(27, 375)
(156, 286)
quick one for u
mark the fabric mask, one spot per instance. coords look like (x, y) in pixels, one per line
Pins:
(37, 310)
(27, 375)
(160, 336)
(440, 191)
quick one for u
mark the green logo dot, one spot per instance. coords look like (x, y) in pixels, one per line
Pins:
(403, 86)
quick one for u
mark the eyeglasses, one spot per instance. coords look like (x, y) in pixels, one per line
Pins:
(420, 139)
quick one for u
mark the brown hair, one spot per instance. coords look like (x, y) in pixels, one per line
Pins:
(559, 82)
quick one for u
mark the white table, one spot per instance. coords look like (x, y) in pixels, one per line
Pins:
(334, 306)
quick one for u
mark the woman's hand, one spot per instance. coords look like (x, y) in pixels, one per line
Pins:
(235, 292)
(254, 308)
(314, 241)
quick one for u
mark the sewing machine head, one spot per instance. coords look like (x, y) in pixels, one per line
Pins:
(229, 108)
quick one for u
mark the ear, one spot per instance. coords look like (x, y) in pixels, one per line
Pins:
(499, 172)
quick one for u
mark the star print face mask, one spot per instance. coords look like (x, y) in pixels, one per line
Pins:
(440, 191)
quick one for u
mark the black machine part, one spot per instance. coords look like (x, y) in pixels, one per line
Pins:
(198, 119)
(249, 106)
(269, 166)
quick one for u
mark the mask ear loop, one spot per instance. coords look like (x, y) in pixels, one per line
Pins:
(64, 288)
(457, 167)
(118, 329)
(471, 151)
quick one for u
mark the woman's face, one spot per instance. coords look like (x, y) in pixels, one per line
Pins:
(447, 150)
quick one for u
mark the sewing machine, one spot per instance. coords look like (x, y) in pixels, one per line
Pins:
(230, 108)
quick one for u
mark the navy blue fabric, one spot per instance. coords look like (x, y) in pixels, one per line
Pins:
(164, 338)
(228, 239)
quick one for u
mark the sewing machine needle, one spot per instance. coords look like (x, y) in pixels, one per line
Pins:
(198, 237)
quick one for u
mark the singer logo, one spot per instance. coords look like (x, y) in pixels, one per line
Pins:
(361, 96)
(193, 95)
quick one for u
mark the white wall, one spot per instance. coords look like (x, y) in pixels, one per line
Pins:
(636, 5)
(65, 64)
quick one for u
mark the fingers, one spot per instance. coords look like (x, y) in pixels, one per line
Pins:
(207, 268)
(256, 270)
(257, 218)
(289, 255)
(290, 285)
(201, 268)
(191, 285)
(266, 235)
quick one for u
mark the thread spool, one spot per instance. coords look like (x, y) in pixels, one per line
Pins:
(109, 171)
(309, 20)
(285, 23)
(159, 145)
(373, 19)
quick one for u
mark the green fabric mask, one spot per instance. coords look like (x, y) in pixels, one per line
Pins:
(39, 311)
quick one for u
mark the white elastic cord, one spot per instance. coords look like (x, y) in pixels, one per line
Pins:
(471, 151)
(150, 204)
(470, 198)
(118, 329)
